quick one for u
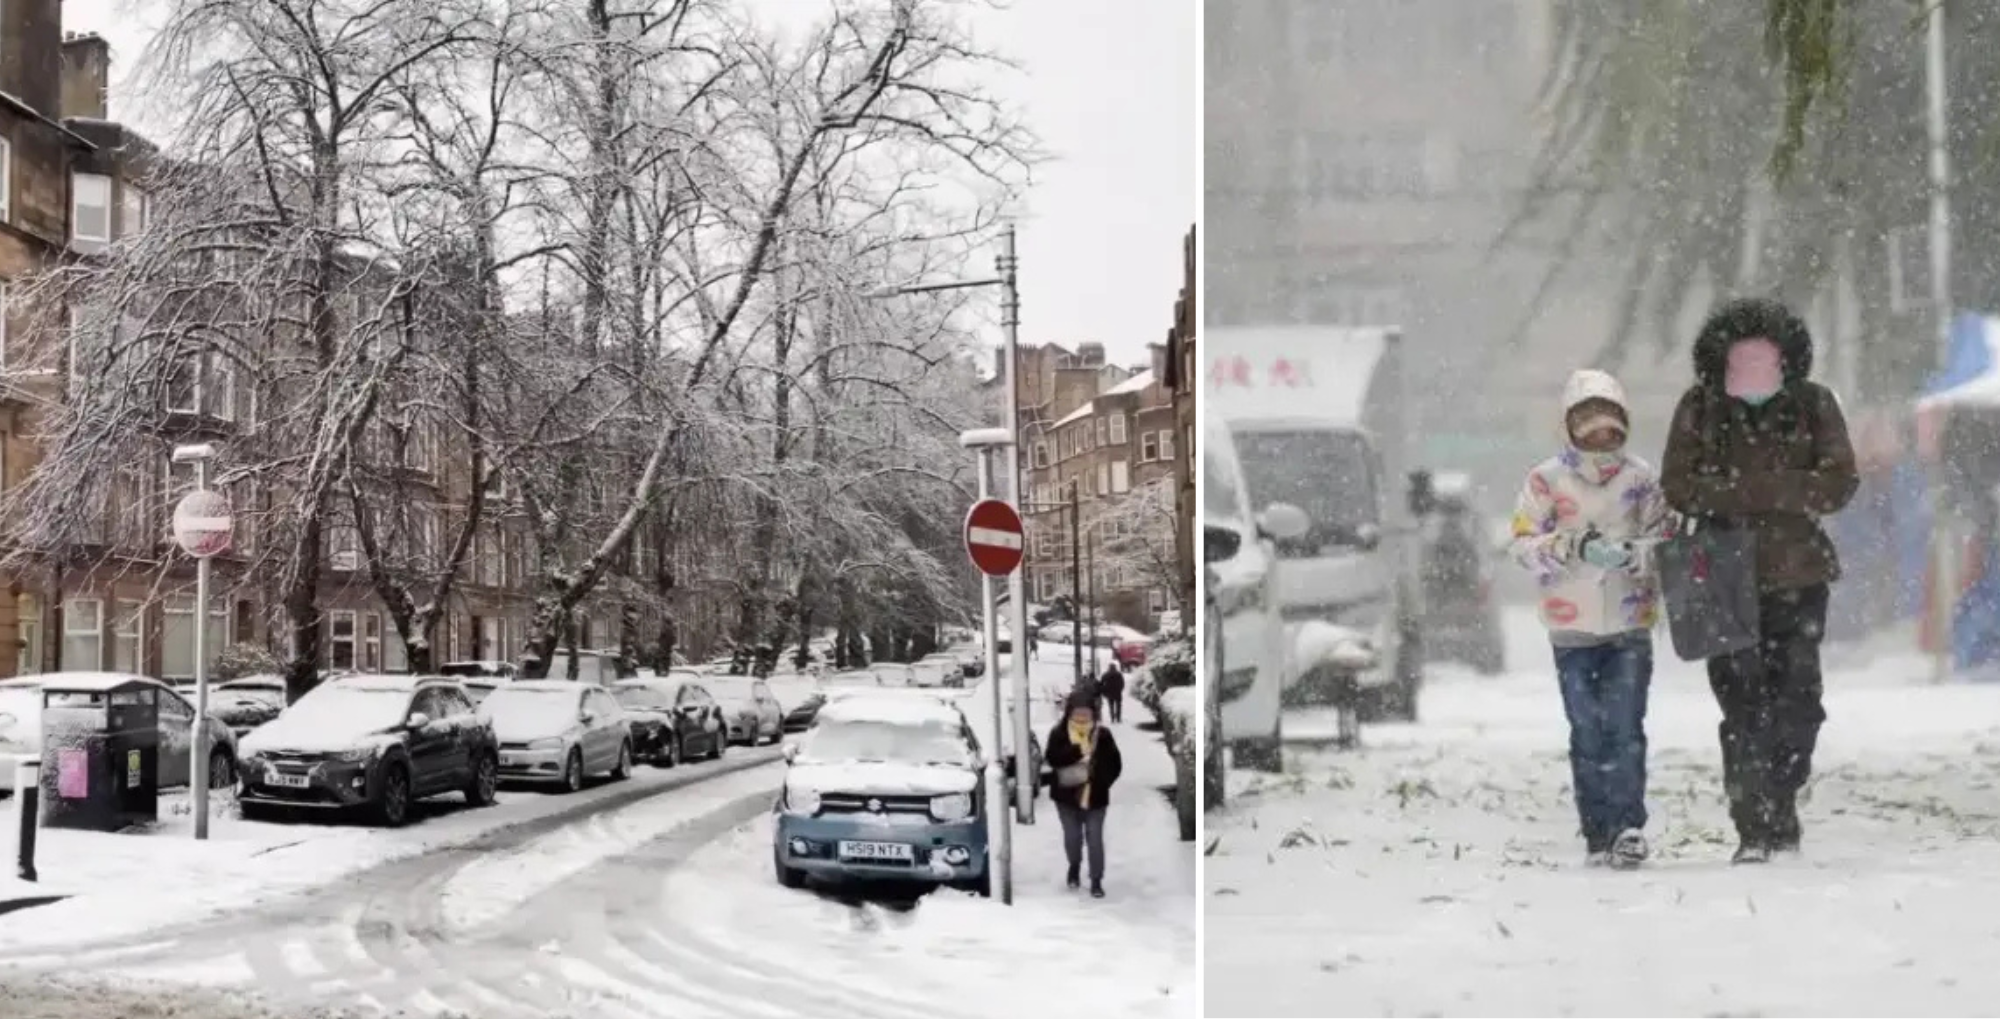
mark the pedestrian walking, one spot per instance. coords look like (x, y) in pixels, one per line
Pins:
(1756, 446)
(1086, 688)
(1580, 526)
(1083, 763)
(1112, 686)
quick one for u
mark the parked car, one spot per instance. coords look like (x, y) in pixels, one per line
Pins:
(21, 726)
(1239, 549)
(244, 704)
(553, 730)
(471, 670)
(1128, 646)
(799, 717)
(672, 719)
(481, 687)
(939, 670)
(593, 668)
(750, 712)
(884, 787)
(374, 742)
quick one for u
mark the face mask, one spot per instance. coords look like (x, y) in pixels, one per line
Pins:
(1601, 466)
(1756, 399)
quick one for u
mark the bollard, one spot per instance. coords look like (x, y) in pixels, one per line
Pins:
(27, 808)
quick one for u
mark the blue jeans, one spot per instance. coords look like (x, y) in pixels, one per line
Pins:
(1604, 694)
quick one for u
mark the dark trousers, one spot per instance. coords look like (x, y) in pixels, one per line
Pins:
(1770, 697)
(1116, 703)
(1604, 689)
(1083, 829)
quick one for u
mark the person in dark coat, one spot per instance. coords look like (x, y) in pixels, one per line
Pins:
(1112, 686)
(1756, 445)
(1086, 689)
(1083, 763)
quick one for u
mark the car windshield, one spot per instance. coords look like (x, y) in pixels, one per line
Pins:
(349, 711)
(480, 691)
(468, 669)
(528, 711)
(1325, 473)
(734, 696)
(643, 698)
(882, 741)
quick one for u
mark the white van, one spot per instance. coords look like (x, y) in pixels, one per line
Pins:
(1318, 415)
(1246, 633)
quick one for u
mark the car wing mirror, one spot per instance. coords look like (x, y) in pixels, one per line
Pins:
(791, 751)
(418, 720)
(587, 717)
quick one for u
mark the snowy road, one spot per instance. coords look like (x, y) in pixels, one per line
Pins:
(1437, 871)
(664, 904)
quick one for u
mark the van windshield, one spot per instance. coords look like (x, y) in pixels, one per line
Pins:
(1328, 474)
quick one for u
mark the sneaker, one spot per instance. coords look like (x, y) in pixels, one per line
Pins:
(1097, 889)
(1073, 880)
(1751, 853)
(1629, 849)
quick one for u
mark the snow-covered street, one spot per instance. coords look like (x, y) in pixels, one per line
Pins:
(1437, 871)
(655, 904)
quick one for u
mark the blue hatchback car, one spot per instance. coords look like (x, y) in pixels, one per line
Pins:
(884, 787)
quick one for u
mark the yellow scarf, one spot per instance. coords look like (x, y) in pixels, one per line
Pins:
(1080, 735)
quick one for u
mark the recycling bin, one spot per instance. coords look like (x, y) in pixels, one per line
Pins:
(100, 752)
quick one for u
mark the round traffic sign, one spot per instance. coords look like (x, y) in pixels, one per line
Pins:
(202, 523)
(993, 537)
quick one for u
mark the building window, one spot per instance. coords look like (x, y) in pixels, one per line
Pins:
(1167, 443)
(28, 609)
(1156, 601)
(371, 643)
(135, 208)
(6, 179)
(5, 311)
(1041, 454)
(222, 400)
(89, 211)
(340, 645)
(1149, 446)
(1103, 431)
(395, 657)
(83, 634)
(1118, 428)
(177, 637)
(343, 547)
(1121, 477)
(1103, 479)
(128, 637)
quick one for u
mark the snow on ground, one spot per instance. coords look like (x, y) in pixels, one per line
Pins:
(243, 863)
(1131, 954)
(1437, 871)
(41, 998)
(496, 884)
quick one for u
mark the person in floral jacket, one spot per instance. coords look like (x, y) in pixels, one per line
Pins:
(1585, 521)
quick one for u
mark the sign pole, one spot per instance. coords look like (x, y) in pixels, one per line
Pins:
(199, 766)
(1017, 594)
(999, 830)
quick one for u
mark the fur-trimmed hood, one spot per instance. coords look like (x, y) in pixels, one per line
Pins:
(1742, 319)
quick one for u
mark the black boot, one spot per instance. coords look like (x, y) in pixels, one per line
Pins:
(1097, 889)
(1752, 852)
(1074, 879)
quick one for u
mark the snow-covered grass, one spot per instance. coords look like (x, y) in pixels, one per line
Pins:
(124, 884)
(1129, 955)
(1438, 872)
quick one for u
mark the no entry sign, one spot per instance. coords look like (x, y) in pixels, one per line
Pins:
(993, 537)
(202, 523)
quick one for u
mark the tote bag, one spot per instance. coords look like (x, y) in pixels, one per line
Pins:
(1708, 578)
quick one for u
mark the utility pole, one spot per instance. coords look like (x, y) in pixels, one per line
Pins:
(1010, 321)
(1090, 567)
(1000, 834)
(1944, 526)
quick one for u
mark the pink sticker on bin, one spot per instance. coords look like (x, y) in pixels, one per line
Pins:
(72, 774)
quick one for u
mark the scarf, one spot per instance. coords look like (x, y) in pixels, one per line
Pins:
(1080, 735)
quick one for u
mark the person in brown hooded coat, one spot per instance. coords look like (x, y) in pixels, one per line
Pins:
(1756, 445)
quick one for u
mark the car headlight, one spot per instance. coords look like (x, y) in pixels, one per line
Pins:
(552, 743)
(801, 801)
(952, 806)
(359, 756)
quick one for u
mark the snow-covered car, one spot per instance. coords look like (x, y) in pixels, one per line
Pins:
(373, 742)
(481, 669)
(244, 704)
(940, 669)
(21, 725)
(750, 712)
(1241, 561)
(883, 787)
(672, 718)
(800, 716)
(553, 730)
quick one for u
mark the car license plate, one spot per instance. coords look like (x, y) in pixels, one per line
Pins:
(288, 781)
(876, 851)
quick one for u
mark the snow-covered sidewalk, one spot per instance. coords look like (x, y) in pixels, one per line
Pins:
(1437, 871)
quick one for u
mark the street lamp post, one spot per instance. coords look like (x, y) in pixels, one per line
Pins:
(999, 833)
(1008, 265)
(1076, 575)
(1090, 567)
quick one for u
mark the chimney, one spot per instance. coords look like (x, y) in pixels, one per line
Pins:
(29, 65)
(1159, 358)
(1090, 355)
(86, 75)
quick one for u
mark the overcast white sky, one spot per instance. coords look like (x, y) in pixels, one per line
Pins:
(1110, 87)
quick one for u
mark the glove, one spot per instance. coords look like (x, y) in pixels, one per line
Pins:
(1606, 554)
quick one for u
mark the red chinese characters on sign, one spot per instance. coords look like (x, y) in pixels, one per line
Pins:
(1237, 371)
(1230, 371)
